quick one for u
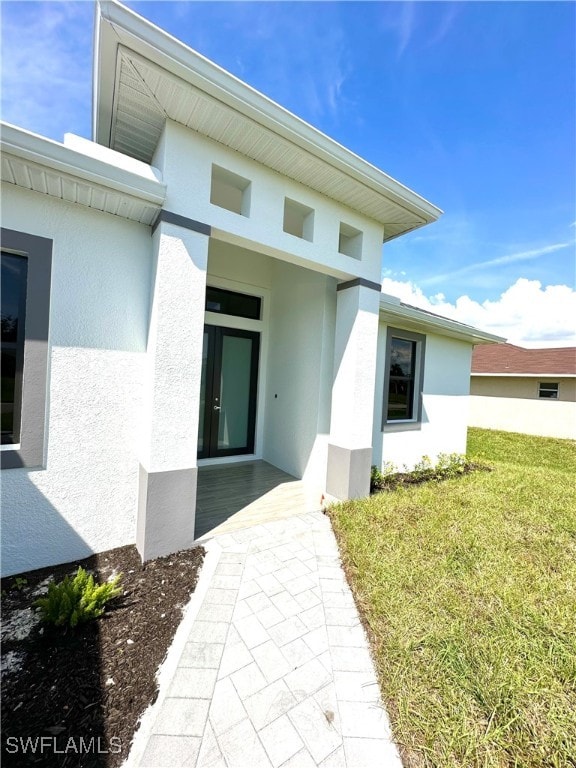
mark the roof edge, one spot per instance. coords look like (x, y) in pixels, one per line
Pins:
(116, 24)
(69, 160)
(394, 308)
(520, 375)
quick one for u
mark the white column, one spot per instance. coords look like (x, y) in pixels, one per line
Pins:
(168, 467)
(355, 346)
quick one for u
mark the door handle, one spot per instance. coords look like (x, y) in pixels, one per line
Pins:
(217, 407)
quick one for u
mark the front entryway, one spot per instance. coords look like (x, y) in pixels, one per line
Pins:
(235, 496)
(228, 392)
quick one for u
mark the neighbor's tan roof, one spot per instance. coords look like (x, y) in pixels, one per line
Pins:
(508, 358)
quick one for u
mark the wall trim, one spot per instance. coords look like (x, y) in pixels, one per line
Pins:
(348, 472)
(181, 221)
(38, 251)
(362, 282)
(166, 511)
(415, 423)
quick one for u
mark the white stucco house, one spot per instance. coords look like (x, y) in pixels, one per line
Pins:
(199, 284)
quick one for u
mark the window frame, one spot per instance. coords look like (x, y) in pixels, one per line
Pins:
(396, 425)
(18, 347)
(545, 386)
(239, 295)
(38, 253)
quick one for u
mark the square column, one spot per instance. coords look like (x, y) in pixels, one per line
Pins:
(355, 346)
(168, 447)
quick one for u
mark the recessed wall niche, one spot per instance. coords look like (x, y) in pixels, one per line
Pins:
(350, 241)
(230, 191)
(298, 219)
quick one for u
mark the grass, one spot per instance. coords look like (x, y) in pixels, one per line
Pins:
(468, 588)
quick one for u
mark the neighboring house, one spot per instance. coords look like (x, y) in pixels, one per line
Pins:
(200, 284)
(524, 390)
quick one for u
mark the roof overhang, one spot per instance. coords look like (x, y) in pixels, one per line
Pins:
(144, 76)
(81, 172)
(392, 310)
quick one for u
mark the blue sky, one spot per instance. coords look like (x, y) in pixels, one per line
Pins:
(471, 104)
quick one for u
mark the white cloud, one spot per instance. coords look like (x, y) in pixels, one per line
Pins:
(511, 258)
(527, 313)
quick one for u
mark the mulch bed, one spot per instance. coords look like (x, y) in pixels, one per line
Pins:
(400, 479)
(77, 695)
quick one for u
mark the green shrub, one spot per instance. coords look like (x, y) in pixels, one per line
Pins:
(448, 465)
(379, 478)
(76, 600)
(20, 583)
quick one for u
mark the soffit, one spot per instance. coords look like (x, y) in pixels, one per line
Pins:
(146, 94)
(40, 165)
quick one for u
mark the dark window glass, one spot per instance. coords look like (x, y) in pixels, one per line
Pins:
(401, 387)
(548, 390)
(14, 270)
(231, 303)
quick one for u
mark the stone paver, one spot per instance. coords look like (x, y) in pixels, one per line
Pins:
(274, 669)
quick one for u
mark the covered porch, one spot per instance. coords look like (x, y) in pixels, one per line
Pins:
(233, 496)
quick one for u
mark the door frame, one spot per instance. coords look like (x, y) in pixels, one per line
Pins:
(210, 425)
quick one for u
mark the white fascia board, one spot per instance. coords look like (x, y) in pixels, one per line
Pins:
(526, 375)
(118, 25)
(393, 311)
(51, 154)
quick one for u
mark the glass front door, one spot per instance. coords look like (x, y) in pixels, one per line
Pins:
(228, 392)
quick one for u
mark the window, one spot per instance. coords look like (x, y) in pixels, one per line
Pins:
(350, 241)
(232, 303)
(298, 219)
(26, 271)
(230, 191)
(14, 270)
(548, 390)
(404, 378)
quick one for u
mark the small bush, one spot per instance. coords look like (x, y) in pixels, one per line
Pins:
(20, 583)
(76, 600)
(447, 465)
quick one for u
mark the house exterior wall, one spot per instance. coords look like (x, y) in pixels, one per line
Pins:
(83, 499)
(444, 423)
(524, 387)
(301, 348)
(185, 159)
(126, 302)
(512, 405)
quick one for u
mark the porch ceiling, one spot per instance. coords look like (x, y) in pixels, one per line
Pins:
(144, 76)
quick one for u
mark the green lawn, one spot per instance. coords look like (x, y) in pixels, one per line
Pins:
(469, 589)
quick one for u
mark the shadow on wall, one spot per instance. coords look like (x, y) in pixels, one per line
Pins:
(34, 533)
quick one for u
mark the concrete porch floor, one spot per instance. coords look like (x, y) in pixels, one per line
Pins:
(234, 496)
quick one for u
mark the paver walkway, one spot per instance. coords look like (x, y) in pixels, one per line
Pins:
(272, 667)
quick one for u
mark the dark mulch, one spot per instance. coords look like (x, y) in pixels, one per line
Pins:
(63, 690)
(399, 479)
